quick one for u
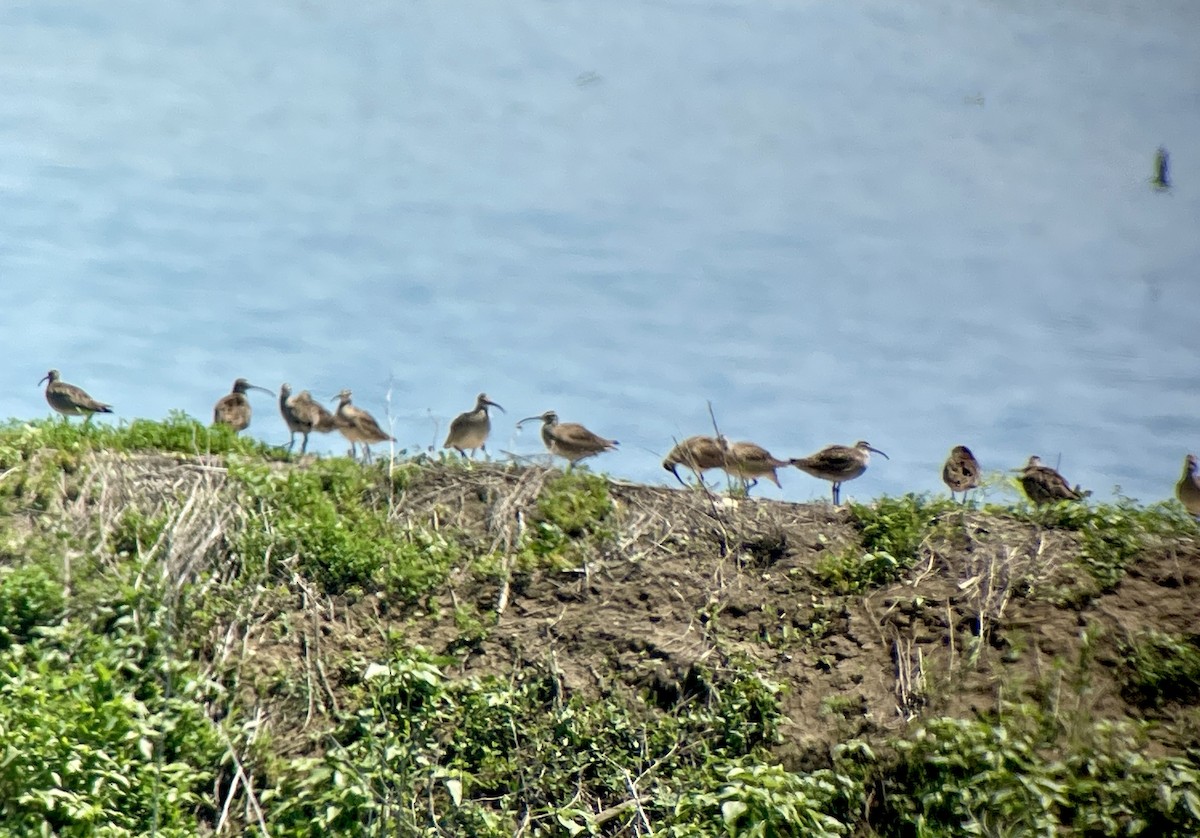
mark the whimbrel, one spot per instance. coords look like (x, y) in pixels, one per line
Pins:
(750, 461)
(303, 415)
(570, 440)
(838, 463)
(961, 471)
(233, 409)
(470, 430)
(699, 453)
(359, 426)
(70, 400)
(1188, 487)
(1045, 485)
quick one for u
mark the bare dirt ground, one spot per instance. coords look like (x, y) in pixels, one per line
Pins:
(689, 582)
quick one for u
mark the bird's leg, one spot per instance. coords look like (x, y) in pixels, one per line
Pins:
(304, 444)
(836, 493)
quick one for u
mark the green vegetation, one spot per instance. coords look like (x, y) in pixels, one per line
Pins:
(234, 644)
(892, 532)
(1160, 667)
(178, 433)
(1110, 535)
(426, 754)
(334, 518)
(1019, 773)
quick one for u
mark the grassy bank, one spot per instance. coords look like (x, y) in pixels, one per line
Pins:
(199, 636)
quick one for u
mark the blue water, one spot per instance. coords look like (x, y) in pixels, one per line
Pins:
(918, 224)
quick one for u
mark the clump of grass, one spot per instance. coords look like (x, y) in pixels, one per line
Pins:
(178, 433)
(30, 596)
(1157, 667)
(485, 754)
(1111, 535)
(333, 519)
(1019, 772)
(573, 512)
(892, 532)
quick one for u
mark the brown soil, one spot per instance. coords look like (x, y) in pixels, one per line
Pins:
(691, 582)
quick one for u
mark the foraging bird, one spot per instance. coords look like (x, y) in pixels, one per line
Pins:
(749, 461)
(470, 430)
(699, 453)
(1188, 487)
(70, 400)
(303, 415)
(358, 426)
(1162, 174)
(961, 471)
(233, 409)
(1043, 484)
(570, 440)
(838, 463)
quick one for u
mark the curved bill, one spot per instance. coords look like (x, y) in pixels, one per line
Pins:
(877, 451)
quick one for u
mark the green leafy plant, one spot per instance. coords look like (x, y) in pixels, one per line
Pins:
(1157, 667)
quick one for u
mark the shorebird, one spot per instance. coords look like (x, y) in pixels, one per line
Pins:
(303, 415)
(1188, 487)
(70, 400)
(569, 440)
(699, 453)
(961, 471)
(750, 461)
(470, 430)
(359, 426)
(233, 409)
(1043, 484)
(838, 463)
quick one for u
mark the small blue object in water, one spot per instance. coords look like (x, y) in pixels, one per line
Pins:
(1162, 162)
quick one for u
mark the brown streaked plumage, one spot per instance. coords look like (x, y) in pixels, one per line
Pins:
(303, 415)
(838, 463)
(70, 400)
(1188, 487)
(469, 431)
(570, 440)
(1043, 484)
(233, 409)
(698, 453)
(359, 426)
(961, 471)
(750, 461)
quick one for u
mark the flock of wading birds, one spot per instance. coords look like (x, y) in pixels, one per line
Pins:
(469, 432)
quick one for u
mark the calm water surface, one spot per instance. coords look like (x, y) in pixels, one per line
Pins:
(919, 224)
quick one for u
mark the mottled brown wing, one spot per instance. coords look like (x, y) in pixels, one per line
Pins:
(80, 399)
(577, 436)
(835, 458)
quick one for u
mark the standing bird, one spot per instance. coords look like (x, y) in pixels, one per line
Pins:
(303, 415)
(1162, 165)
(749, 461)
(699, 453)
(233, 409)
(961, 471)
(1043, 484)
(470, 430)
(357, 425)
(838, 463)
(570, 440)
(70, 400)
(1188, 487)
